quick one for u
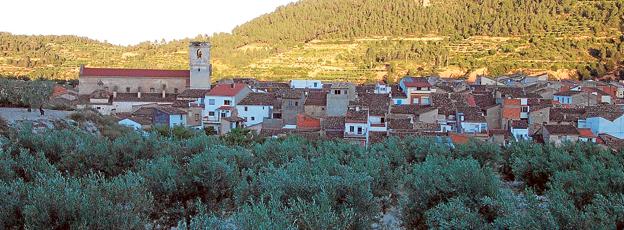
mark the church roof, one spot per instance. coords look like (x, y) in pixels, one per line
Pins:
(115, 72)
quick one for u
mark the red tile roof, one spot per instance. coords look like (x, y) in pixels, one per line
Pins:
(511, 102)
(226, 90)
(113, 72)
(458, 138)
(586, 133)
(308, 123)
(511, 113)
(416, 82)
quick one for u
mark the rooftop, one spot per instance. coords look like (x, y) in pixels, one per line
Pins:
(227, 90)
(264, 99)
(115, 72)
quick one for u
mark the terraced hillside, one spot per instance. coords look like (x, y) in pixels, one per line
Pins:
(364, 40)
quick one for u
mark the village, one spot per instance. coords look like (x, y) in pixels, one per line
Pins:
(500, 110)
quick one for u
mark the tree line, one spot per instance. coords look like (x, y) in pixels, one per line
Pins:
(66, 178)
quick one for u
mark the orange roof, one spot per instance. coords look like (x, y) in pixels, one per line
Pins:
(58, 90)
(457, 138)
(586, 133)
(511, 113)
(227, 90)
(305, 122)
(511, 102)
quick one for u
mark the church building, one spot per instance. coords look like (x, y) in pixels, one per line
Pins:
(115, 90)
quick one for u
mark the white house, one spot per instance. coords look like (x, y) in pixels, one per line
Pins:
(520, 130)
(223, 95)
(604, 120)
(256, 107)
(357, 126)
(471, 120)
(306, 84)
(382, 88)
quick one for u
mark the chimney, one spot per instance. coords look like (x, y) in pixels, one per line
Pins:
(114, 94)
(232, 85)
(139, 94)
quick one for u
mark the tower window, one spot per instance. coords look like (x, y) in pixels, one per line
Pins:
(152, 90)
(127, 89)
(198, 70)
(175, 90)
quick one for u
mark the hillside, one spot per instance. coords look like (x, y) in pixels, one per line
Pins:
(364, 40)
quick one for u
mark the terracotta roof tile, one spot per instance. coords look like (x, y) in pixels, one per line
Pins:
(519, 124)
(566, 114)
(333, 123)
(145, 97)
(316, 98)
(587, 133)
(264, 99)
(194, 93)
(227, 90)
(400, 124)
(115, 72)
(609, 112)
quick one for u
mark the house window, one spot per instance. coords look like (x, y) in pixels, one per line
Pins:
(337, 92)
(181, 117)
(227, 102)
(359, 130)
(196, 117)
(211, 101)
(525, 109)
(399, 102)
(418, 88)
(425, 100)
(277, 116)
(296, 103)
(127, 89)
(223, 115)
(175, 90)
(211, 114)
(351, 129)
(152, 90)
(246, 109)
(383, 120)
(253, 118)
(315, 84)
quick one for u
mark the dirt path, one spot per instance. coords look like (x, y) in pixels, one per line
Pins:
(18, 114)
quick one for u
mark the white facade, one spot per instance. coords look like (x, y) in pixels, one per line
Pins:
(520, 134)
(306, 84)
(177, 120)
(254, 114)
(382, 89)
(213, 103)
(600, 125)
(356, 129)
(469, 127)
(376, 125)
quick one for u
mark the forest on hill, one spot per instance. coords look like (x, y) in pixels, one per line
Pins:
(359, 40)
(67, 178)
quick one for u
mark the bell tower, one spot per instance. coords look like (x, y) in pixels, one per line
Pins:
(199, 63)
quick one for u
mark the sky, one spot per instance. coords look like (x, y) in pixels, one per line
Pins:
(126, 22)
